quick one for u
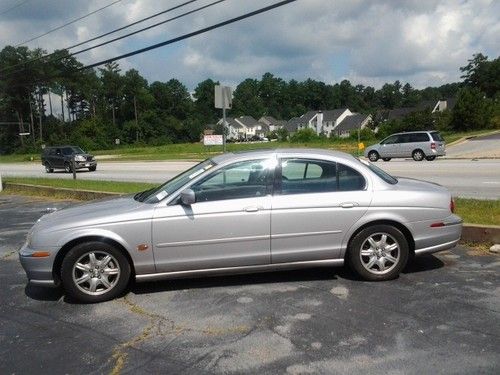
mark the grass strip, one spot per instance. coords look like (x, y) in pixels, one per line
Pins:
(478, 211)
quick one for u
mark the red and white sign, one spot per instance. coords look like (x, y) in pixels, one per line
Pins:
(212, 140)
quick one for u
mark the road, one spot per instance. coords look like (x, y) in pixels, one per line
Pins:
(464, 178)
(440, 316)
(486, 146)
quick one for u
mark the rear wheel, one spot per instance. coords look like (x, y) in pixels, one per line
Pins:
(373, 156)
(95, 272)
(48, 168)
(67, 167)
(430, 158)
(386, 159)
(379, 252)
(418, 155)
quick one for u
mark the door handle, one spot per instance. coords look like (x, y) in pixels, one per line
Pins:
(348, 205)
(251, 209)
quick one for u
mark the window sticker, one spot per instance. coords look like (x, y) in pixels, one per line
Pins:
(198, 172)
(162, 194)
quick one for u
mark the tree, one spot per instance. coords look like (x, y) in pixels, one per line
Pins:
(482, 74)
(472, 110)
(246, 99)
(205, 102)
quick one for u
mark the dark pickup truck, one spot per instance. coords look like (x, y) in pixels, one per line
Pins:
(61, 157)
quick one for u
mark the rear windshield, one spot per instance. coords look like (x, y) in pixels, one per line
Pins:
(437, 137)
(381, 173)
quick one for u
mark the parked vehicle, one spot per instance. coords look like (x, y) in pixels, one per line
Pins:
(244, 212)
(61, 157)
(417, 145)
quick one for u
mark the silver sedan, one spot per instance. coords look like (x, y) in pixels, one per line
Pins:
(244, 212)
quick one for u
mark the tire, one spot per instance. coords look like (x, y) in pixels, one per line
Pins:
(418, 155)
(430, 158)
(67, 167)
(92, 169)
(99, 282)
(386, 159)
(373, 156)
(369, 258)
(48, 169)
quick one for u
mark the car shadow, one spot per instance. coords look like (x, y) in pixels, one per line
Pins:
(311, 274)
(41, 293)
(423, 263)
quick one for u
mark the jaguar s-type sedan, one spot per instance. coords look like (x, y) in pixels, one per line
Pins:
(244, 212)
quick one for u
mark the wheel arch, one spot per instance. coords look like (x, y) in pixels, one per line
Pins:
(56, 269)
(406, 232)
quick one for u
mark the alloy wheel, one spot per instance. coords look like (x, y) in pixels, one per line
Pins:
(96, 273)
(380, 253)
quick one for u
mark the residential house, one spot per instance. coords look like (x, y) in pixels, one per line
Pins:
(244, 127)
(431, 105)
(272, 123)
(351, 123)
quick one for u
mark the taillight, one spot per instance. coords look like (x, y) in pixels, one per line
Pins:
(433, 146)
(452, 206)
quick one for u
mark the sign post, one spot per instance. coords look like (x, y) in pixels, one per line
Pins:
(223, 99)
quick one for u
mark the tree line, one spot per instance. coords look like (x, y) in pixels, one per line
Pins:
(105, 104)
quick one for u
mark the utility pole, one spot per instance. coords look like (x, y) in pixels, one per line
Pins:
(223, 123)
(136, 121)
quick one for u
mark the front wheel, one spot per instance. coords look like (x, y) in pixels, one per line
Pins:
(48, 169)
(430, 158)
(67, 167)
(95, 272)
(92, 169)
(379, 252)
(373, 156)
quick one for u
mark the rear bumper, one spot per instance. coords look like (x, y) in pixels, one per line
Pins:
(429, 239)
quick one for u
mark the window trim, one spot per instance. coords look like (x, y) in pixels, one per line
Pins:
(279, 169)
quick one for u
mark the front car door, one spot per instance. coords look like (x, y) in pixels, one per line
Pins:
(228, 226)
(389, 147)
(314, 205)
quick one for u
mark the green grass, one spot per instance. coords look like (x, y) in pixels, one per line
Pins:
(107, 186)
(475, 211)
(452, 137)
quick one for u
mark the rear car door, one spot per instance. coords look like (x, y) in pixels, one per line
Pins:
(315, 202)
(227, 226)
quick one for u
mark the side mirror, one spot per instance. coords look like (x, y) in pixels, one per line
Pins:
(188, 197)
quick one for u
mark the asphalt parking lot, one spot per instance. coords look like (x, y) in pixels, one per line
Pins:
(442, 315)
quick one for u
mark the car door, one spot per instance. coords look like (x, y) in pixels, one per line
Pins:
(389, 147)
(58, 158)
(228, 226)
(314, 205)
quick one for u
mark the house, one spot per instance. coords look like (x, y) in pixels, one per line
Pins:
(351, 123)
(244, 127)
(322, 122)
(431, 105)
(272, 123)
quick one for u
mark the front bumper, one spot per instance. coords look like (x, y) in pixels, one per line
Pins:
(38, 269)
(85, 164)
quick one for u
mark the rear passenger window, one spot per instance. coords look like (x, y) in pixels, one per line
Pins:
(301, 176)
(349, 179)
(419, 137)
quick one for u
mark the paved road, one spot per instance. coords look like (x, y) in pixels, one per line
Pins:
(440, 316)
(487, 146)
(465, 178)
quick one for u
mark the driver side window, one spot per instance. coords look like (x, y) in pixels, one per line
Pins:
(246, 179)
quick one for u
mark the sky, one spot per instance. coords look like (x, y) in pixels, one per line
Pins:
(423, 42)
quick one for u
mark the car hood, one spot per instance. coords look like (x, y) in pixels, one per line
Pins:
(95, 213)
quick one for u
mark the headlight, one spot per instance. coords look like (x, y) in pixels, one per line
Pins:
(79, 158)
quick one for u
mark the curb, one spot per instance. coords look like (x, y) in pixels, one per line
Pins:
(57, 192)
(481, 233)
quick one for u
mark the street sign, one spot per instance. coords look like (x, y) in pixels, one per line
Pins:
(223, 97)
(213, 140)
(24, 133)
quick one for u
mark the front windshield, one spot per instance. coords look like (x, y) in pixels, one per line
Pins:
(72, 150)
(381, 173)
(157, 194)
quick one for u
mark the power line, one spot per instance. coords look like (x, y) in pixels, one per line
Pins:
(13, 7)
(68, 23)
(191, 34)
(105, 34)
(146, 28)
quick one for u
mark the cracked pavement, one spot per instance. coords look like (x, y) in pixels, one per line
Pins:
(442, 315)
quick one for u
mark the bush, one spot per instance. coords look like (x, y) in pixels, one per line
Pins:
(304, 135)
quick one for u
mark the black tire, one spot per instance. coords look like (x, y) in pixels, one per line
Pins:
(92, 169)
(360, 261)
(373, 156)
(67, 167)
(96, 274)
(430, 158)
(386, 159)
(48, 169)
(418, 155)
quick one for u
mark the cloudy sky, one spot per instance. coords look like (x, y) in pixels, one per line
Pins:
(423, 42)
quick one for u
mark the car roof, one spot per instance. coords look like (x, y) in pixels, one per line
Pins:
(417, 131)
(304, 152)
